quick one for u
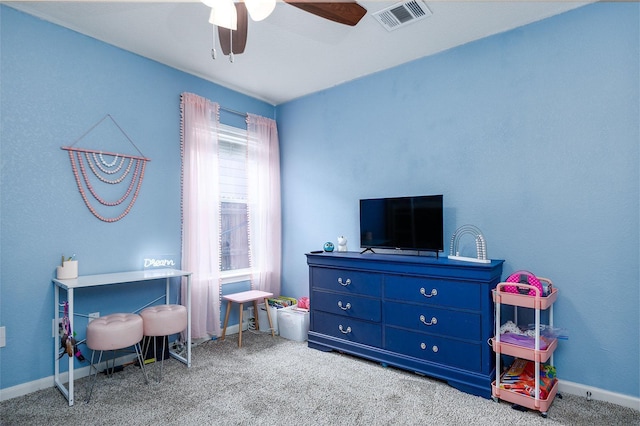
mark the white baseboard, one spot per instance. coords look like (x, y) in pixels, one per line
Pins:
(47, 382)
(598, 394)
(26, 388)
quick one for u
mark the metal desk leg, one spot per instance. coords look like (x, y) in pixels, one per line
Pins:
(188, 320)
(56, 361)
(66, 391)
(71, 360)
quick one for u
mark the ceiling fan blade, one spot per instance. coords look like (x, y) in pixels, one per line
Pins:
(235, 39)
(347, 13)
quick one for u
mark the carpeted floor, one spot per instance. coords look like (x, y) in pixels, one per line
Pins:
(273, 381)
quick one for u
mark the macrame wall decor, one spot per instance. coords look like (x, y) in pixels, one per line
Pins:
(108, 171)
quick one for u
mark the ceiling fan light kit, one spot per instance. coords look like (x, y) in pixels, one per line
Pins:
(260, 9)
(223, 13)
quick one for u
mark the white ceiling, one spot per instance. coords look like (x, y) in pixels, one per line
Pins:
(292, 53)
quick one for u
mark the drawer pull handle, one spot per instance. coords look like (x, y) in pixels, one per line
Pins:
(344, 308)
(433, 321)
(343, 331)
(423, 292)
(434, 348)
(344, 283)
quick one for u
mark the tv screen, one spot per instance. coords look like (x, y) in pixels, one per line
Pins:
(408, 223)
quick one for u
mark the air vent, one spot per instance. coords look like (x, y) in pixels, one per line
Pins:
(401, 14)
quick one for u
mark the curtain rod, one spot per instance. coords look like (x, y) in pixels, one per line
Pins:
(233, 111)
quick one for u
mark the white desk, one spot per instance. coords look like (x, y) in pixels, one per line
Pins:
(108, 279)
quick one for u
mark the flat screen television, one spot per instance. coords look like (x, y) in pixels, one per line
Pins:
(404, 223)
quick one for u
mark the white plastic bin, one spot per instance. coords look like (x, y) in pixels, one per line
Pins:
(264, 320)
(293, 324)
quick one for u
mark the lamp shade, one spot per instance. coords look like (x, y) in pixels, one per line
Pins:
(260, 9)
(223, 14)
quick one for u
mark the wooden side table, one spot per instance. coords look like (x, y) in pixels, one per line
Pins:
(242, 298)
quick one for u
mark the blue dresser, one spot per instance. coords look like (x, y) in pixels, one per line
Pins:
(422, 314)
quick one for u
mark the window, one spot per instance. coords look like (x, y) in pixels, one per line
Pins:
(242, 174)
(234, 238)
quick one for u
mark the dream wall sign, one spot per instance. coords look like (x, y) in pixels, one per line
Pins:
(108, 181)
(159, 261)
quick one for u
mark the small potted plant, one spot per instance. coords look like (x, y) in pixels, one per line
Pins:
(68, 269)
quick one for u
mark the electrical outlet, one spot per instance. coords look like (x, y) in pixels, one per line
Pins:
(56, 329)
(3, 337)
(94, 315)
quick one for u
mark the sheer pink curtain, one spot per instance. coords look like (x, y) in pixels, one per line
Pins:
(265, 225)
(201, 212)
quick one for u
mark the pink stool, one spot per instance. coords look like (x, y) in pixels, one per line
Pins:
(111, 333)
(241, 298)
(162, 320)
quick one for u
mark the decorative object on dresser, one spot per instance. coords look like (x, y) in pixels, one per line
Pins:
(481, 244)
(419, 313)
(342, 243)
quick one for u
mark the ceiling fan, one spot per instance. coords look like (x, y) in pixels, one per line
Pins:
(232, 33)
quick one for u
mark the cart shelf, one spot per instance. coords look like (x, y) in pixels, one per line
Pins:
(523, 352)
(524, 300)
(529, 402)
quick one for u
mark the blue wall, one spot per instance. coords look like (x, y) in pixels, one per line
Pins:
(56, 84)
(532, 135)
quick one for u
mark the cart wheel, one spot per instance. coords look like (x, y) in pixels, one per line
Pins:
(559, 395)
(384, 364)
(495, 399)
(544, 414)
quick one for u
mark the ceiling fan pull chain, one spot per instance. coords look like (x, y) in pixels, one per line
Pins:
(231, 45)
(213, 46)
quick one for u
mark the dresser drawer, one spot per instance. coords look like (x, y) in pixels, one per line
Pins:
(433, 291)
(428, 319)
(434, 349)
(347, 305)
(346, 328)
(347, 281)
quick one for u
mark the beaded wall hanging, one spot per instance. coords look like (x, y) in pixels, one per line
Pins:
(107, 168)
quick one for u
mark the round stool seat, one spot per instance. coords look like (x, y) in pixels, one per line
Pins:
(114, 331)
(163, 320)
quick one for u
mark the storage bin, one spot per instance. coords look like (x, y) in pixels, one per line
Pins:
(263, 320)
(293, 324)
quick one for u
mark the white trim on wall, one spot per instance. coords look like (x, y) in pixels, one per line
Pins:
(599, 394)
(47, 382)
